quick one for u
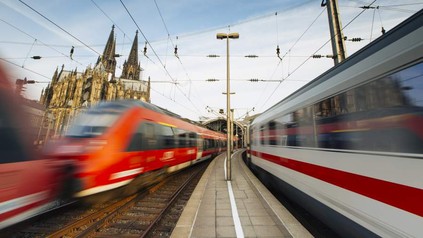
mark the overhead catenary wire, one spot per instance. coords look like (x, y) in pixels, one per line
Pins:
(285, 55)
(187, 55)
(173, 45)
(391, 7)
(155, 53)
(106, 15)
(146, 40)
(29, 52)
(52, 22)
(114, 23)
(299, 66)
(37, 40)
(19, 66)
(306, 30)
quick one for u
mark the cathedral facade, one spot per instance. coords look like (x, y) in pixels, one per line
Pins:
(71, 91)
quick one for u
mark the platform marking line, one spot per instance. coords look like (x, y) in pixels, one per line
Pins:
(237, 222)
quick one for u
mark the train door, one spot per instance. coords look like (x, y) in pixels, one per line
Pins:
(200, 147)
(142, 147)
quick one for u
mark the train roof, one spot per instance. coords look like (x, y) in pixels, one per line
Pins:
(409, 25)
(124, 104)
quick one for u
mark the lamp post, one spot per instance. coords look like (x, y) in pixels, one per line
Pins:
(228, 36)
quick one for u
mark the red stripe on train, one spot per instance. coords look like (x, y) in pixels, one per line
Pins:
(400, 196)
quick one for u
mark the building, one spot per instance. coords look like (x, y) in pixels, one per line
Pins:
(71, 91)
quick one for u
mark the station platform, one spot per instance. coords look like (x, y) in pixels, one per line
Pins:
(242, 207)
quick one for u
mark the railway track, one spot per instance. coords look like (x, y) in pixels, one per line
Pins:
(153, 212)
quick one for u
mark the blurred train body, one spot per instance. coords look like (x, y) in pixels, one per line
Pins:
(348, 146)
(28, 183)
(120, 143)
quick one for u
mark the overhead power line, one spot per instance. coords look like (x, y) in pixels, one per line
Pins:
(155, 53)
(37, 40)
(146, 40)
(30, 70)
(315, 52)
(61, 28)
(173, 45)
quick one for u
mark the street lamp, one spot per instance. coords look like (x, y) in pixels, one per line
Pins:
(228, 36)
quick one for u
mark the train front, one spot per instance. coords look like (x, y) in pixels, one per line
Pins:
(92, 143)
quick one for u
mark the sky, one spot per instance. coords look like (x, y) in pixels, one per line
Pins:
(182, 84)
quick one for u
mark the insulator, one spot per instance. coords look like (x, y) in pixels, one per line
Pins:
(251, 56)
(36, 57)
(176, 50)
(278, 51)
(317, 56)
(213, 56)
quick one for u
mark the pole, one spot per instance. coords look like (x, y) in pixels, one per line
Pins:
(228, 115)
(222, 36)
(337, 38)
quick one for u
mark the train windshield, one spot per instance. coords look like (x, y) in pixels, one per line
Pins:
(92, 124)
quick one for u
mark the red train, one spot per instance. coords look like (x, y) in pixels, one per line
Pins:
(28, 183)
(121, 143)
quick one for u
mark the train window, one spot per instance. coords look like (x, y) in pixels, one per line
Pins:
(149, 137)
(135, 141)
(205, 144)
(183, 139)
(166, 137)
(377, 115)
(381, 115)
(92, 124)
(263, 135)
(410, 81)
(255, 136)
(273, 133)
(192, 139)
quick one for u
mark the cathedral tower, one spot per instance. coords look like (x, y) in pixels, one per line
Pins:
(131, 67)
(107, 61)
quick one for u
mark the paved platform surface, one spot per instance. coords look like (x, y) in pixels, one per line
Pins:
(242, 207)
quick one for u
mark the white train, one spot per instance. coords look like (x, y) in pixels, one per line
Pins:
(348, 146)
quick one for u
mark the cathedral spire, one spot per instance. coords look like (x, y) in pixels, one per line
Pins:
(133, 56)
(108, 58)
(108, 52)
(131, 67)
(55, 76)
